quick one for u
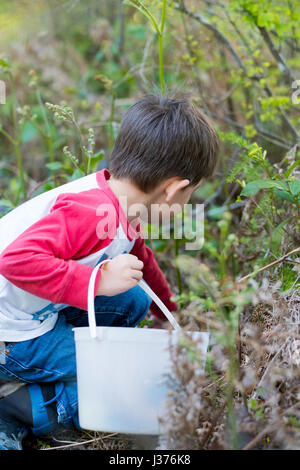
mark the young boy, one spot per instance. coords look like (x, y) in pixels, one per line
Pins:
(50, 245)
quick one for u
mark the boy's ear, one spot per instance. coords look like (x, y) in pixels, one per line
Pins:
(174, 186)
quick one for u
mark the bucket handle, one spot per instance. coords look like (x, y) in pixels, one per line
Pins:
(91, 300)
(141, 283)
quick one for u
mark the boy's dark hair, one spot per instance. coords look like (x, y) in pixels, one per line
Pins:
(162, 136)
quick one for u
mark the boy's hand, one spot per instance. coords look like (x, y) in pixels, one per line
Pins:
(120, 274)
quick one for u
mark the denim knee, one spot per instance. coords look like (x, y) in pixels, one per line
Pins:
(133, 304)
(139, 303)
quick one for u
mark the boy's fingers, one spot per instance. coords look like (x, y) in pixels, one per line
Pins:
(132, 261)
(137, 264)
(136, 274)
(130, 256)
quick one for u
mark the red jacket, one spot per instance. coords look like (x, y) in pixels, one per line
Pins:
(49, 246)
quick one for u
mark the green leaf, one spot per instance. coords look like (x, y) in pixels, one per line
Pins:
(98, 155)
(6, 203)
(281, 225)
(48, 186)
(128, 2)
(285, 195)
(144, 323)
(5, 207)
(294, 187)
(29, 132)
(137, 31)
(54, 166)
(259, 412)
(261, 20)
(145, 12)
(252, 188)
(252, 403)
(43, 188)
(77, 174)
(291, 168)
(4, 63)
(159, 245)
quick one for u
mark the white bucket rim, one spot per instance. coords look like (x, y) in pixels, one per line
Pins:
(135, 334)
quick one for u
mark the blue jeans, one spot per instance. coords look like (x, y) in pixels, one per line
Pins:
(51, 357)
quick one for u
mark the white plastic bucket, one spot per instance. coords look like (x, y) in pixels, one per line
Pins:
(121, 374)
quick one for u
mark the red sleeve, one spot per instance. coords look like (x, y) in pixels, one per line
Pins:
(42, 260)
(154, 277)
